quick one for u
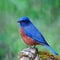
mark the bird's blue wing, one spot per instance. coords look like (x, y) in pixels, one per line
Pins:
(33, 32)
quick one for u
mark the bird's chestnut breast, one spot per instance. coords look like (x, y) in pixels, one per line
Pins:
(29, 41)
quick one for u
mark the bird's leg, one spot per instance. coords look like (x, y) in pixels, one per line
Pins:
(34, 46)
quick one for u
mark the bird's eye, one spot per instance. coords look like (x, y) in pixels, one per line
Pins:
(26, 22)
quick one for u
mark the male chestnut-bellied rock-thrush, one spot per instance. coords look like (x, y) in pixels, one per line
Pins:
(31, 35)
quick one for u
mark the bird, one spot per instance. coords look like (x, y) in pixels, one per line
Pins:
(31, 35)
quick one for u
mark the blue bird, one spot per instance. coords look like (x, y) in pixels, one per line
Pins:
(31, 35)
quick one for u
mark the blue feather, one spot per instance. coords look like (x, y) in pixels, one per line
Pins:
(51, 49)
(33, 32)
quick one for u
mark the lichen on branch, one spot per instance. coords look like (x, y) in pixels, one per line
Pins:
(34, 54)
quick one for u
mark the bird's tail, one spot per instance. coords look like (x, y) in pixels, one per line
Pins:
(51, 49)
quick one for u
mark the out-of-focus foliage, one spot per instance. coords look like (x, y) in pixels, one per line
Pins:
(45, 14)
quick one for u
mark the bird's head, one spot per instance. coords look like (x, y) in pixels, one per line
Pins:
(24, 21)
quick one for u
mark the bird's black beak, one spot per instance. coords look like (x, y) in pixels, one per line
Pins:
(18, 21)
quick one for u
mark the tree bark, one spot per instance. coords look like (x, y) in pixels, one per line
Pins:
(34, 54)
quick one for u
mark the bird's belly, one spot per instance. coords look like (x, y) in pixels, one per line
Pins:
(29, 41)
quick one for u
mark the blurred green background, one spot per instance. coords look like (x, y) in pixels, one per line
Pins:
(45, 14)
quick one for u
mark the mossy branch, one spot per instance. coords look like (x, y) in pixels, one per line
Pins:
(34, 54)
